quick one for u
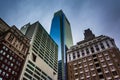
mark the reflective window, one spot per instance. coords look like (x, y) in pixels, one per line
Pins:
(9, 70)
(0, 71)
(4, 53)
(1, 51)
(3, 73)
(1, 58)
(8, 56)
(11, 64)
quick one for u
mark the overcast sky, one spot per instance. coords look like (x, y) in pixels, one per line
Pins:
(101, 16)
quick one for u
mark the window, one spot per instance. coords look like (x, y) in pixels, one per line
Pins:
(87, 74)
(92, 49)
(91, 67)
(69, 57)
(3, 73)
(101, 76)
(103, 63)
(93, 72)
(86, 68)
(94, 78)
(99, 70)
(11, 64)
(5, 60)
(110, 62)
(101, 59)
(107, 44)
(6, 68)
(95, 60)
(114, 73)
(11, 37)
(94, 55)
(83, 53)
(33, 57)
(4, 47)
(84, 59)
(105, 69)
(4, 53)
(108, 74)
(102, 46)
(0, 71)
(74, 56)
(7, 75)
(89, 58)
(97, 48)
(8, 56)
(13, 60)
(1, 51)
(24, 48)
(1, 58)
(78, 54)
(107, 57)
(97, 65)
(13, 72)
(9, 70)
(3, 65)
(99, 55)
(87, 51)
(82, 75)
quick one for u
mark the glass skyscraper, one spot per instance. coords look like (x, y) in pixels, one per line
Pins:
(61, 33)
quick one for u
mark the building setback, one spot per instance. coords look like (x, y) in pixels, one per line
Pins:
(14, 48)
(61, 33)
(41, 63)
(94, 58)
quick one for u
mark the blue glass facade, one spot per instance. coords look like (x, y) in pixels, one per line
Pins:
(61, 33)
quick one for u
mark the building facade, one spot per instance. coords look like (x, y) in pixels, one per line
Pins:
(14, 48)
(41, 63)
(94, 58)
(61, 33)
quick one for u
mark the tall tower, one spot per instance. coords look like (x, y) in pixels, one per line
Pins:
(94, 58)
(61, 33)
(42, 62)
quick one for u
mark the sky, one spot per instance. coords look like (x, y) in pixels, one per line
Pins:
(101, 16)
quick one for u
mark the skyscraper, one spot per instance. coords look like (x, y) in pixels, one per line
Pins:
(61, 33)
(41, 63)
(14, 48)
(94, 58)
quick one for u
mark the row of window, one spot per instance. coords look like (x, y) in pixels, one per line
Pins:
(3, 73)
(88, 51)
(94, 73)
(9, 58)
(38, 73)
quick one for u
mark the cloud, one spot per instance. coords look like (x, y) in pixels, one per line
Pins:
(102, 16)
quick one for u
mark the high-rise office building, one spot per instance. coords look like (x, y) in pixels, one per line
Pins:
(94, 58)
(41, 63)
(14, 48)
(61, 33)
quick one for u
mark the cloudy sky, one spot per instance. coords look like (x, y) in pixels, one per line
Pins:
(101, 16)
